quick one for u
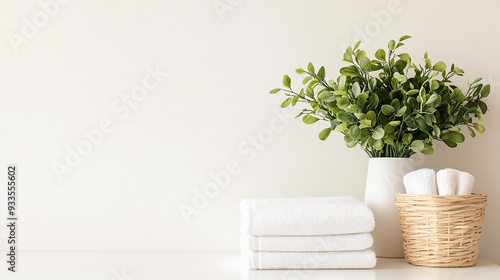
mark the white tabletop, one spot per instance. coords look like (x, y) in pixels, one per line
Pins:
(217, 266)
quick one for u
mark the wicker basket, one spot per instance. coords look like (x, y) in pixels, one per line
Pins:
(441, 230)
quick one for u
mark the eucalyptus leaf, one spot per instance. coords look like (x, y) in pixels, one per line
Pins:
(391, 45)
(360, 54)
(321, 73)
(428, 150)
(374, 100)
(287, 81)
(372, 117)
(401, 111)
(340, 92)
(471, 132)
(286, 103)
(355, 132)
(378, 133)
(428, 63)
(345, 117)
(347, 57)
(421, 124)
(350, 71)
(365, 64)
(407, 137)
(357, 45)
(343, 102)
(326, 96)
(417, 146)
(439, 66)
(387, 110)
(412, 92)
(400, 78)
(450, 143)
(482, 106)
(310, 68)
(434, 84)
(485, 91)
(432, 98)
(380, 54)
(378, 144)
(350, 143)
(325, 133)
(306, 80)
(479, 128)
(356, 90)
(457, 137)
(364, 143)
(404, 38)
(479, 115)
(388, 128)
(308, 119)
(437, 130)
(365, 123)
(453, 136)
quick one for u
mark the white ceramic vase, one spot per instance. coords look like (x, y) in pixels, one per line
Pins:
(383, 181)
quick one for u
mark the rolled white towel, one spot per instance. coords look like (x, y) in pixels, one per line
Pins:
(318, 243)
(310, 260)
(422, 181)
(465, 183)
(305, 216)
(447, 180)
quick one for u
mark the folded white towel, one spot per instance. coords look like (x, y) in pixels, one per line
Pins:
(305, 216)
(447, 180)
(318, 243)
(310, 260)
(422, 181)
(465, 183)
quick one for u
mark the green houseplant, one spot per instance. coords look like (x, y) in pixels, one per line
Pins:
(392, 108)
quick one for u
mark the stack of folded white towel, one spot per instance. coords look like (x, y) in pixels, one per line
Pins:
(444, 182)
(307, 233)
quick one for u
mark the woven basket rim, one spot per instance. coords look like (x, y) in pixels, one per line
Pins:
(405, 195)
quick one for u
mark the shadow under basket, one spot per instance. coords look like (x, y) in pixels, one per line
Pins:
(441, 230)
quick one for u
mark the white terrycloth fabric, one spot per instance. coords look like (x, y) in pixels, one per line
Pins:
(305, 216)
(447, 180)
(318, 243)
(422, 181)
(310, 260)
(465, 183)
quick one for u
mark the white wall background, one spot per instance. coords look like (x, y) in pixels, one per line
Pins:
(126, 193)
